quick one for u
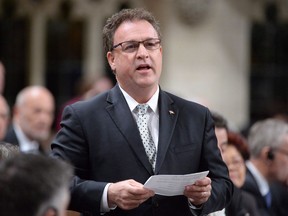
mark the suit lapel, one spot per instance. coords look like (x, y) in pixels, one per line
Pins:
(123, 118)
(168, 115)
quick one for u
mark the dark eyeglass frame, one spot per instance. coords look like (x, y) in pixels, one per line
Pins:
(135, 45)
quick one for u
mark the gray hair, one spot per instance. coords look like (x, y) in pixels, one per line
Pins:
(269, 132)
(26, 173)
(126, 15)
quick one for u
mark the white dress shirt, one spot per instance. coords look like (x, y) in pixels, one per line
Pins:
(153, 125)
(259, 178)
(25, 144)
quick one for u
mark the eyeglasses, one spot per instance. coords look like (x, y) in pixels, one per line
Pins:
(237, 162)
(132, 46)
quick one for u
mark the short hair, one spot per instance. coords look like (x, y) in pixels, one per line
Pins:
(30, 183)
(125, 15)
(240, 143)
(8, 150)
(219, 120)
(269, 132)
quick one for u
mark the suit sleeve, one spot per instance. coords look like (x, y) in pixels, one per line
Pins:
(70, 145)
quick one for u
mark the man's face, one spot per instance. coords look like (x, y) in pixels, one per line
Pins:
(141, 69)
(235, 164)
(222, 138)
(279, 167)
(35, 116)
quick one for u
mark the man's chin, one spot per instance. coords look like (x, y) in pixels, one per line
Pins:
(41, 137)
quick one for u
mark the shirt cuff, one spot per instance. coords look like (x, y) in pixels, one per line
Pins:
(104, 207)
(193, 206)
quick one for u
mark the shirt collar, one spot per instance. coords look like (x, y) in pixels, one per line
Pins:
(24, 142)
(259, 178)
(132, 103)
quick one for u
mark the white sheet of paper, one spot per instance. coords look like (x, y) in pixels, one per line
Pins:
(172, 185)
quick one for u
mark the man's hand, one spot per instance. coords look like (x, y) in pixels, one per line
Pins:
(199, 192)
(128, 194)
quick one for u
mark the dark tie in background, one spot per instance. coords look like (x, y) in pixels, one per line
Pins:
(142, 122)
(268, 199)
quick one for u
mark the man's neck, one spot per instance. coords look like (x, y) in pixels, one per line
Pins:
(141, 95)
(261, 166)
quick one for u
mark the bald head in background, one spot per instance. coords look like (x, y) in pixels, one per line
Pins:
(34, 112)
(33, 115)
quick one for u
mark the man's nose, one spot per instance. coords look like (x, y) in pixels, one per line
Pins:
(142, 52)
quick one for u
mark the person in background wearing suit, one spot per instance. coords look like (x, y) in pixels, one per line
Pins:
(103, 138)
(101, 84)
(34, 185)
(268, 146)
(221, 130)
(2, 77)
(33, 115)
(4, 117)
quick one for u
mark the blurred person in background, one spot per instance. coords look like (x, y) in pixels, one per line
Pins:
(98, 86)
(34, 185)
(268, 146)
(2, 77)
(221, 130)
(235, 154)
(4, 117)
(32, 118)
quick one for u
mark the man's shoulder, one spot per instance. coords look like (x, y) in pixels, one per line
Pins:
(10, 135)
(182, 102)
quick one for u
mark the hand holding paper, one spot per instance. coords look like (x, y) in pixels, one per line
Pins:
(172, 185)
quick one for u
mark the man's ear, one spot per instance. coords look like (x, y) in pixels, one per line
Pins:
(50, 212)
(111, 60)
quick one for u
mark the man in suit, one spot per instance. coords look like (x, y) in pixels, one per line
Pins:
(33, 115)
(268, 164)
(101, 139)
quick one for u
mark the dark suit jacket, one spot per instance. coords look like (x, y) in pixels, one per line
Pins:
(251, 187)
(101, 139)
(12, 138)
(279, 199)
(242, 204)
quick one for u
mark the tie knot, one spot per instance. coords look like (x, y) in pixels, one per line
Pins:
(142, 109)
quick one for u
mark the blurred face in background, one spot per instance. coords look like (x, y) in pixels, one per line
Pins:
(35, 113)
(2, 78)
(4, 117)
(222, 138)
(279, 164)
(235, 164)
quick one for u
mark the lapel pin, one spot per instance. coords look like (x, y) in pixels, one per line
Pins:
(171, 112)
